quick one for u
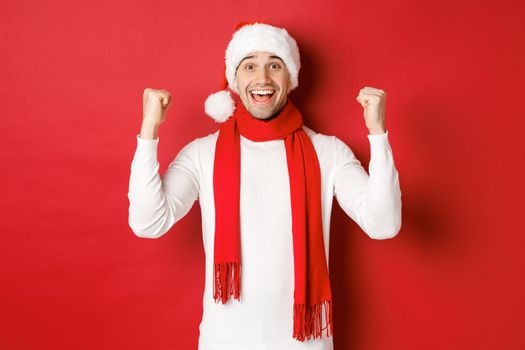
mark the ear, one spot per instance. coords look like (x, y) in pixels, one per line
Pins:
(235, 86)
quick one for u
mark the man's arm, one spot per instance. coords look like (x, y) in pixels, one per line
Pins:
(156, 204)
(372, 201)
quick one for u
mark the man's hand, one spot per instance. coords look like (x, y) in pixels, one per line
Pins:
(373, 101)
(155, 103)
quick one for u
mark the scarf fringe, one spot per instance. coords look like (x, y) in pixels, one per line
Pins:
(227, 278)
(307, 320)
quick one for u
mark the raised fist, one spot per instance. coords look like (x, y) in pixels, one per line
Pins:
(155, 103)
(373, 101)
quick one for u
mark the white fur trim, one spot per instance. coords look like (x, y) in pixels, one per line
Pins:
(262, 37)
(220, 106)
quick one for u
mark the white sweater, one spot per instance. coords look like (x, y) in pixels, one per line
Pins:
(262, 319)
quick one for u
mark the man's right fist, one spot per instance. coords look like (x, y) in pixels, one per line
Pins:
(154, 106)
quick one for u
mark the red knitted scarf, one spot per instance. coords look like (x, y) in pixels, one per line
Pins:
(312, 291)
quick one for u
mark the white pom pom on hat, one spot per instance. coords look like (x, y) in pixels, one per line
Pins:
(219, 106)
(250, 37)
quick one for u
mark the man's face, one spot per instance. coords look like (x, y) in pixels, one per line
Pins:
(262, 82)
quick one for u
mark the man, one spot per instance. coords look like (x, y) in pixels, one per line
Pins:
(265, 183)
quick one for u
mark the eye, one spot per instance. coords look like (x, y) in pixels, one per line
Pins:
(275, 65)
(249, 66)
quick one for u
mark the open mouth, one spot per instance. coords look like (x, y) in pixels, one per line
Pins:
(263, 96)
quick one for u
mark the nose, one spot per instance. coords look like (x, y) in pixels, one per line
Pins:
(263, 76)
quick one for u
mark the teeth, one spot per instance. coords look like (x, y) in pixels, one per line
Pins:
(262, 92)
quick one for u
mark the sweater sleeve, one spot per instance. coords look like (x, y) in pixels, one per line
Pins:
(156, 203)
(372, 201)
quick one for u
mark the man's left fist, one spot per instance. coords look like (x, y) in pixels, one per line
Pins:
(373, 101)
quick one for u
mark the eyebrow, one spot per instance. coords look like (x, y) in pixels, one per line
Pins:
(253, 56)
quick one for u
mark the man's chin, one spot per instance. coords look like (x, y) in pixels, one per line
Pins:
(261, 113)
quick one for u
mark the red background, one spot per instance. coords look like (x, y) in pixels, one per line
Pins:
(73, 275)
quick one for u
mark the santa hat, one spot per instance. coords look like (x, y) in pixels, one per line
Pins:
(250, 37)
